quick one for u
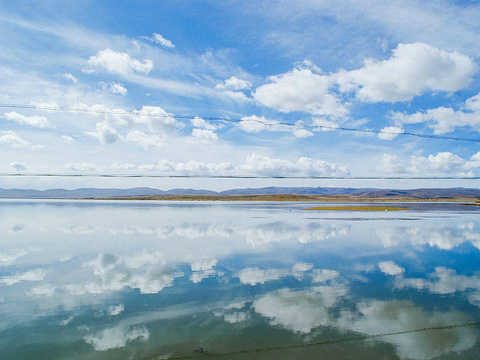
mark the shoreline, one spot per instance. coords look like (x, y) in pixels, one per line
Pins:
(295, 198)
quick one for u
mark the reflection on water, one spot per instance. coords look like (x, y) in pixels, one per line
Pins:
(109, 280)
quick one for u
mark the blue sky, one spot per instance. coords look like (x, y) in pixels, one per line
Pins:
(126, 68)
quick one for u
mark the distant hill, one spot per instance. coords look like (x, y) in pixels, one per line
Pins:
(146, 191)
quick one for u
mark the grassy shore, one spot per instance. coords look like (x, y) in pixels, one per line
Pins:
(304, 198)
(357, 208)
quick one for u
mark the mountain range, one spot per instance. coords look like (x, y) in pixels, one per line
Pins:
(433, 193)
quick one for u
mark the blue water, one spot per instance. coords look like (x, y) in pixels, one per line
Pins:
(160, 280)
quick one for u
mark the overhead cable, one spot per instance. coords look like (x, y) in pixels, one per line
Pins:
(233, 120)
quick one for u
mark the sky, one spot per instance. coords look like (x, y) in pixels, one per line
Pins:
(239, 88)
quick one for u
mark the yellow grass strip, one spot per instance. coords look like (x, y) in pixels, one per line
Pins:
(358, 208)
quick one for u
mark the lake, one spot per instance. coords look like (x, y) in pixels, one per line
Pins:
(182, 280)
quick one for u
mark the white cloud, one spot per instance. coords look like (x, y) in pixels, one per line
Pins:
(412, 70)
(390, 132)
(159, 39)
(117, 337)
(82, 167)
(473, 103)
(32, 275)
(18, 166)
(155, 118)
(202, 124)
(204, 135)
(299, 131)
(442, 281)
(105, 133)
(300, 90)
(443, 162)
(193, 167)
(390, 164)
(144, 140)
(300, 268)
(69, 77)
(115, 310)
(120, 63)
(234, 83)
(11, 139)
(324, 125)
(390, 268)
(445, 238)
(9, 257)
(255, 124)
(383, 317)
(263, 165)
(35, 121)
(114, 88)
(474, 161)
(444, 120)
(254, 276)
(324, 275)
(300, 311)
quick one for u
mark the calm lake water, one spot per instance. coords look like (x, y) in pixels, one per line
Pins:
(163, 280)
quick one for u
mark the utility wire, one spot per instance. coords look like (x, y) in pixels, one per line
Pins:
(237, 176)
(257, 351)
(233, 120)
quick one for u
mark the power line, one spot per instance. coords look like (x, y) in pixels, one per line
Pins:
(328, 342)
(237, 176)
(235, 120)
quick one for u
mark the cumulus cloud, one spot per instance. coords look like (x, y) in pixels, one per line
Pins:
(299, 130)
(324, 124)
(380, 317)
(144, 140)
(35, 121)
(300, 311)
(390, 132)
(10, 256)
(155, 118)
(444, 120)
(301, 90)
(104, 133)
(11, 139)
(114, 88)
(264, 165)
(111, 273)
(390, 268)
(441, 163)
(204, 135)
(18, 166)
(254, 276)
(390, 164)
(442, 281)
(202, 269)
(202, 124)
(32, 275)
(117, 337)
(115, 310)
(255, 165)
(445, 238)
(119, 63)
(255, 124)
(235, 84)
(412, 70)
(324, 275)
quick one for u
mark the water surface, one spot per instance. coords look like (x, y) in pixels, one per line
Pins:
(159, 280)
